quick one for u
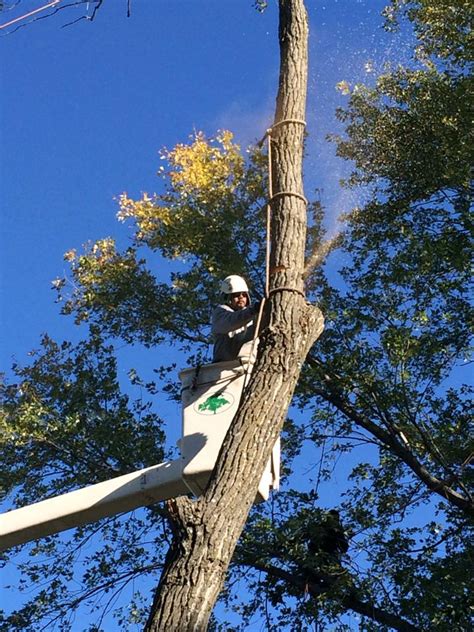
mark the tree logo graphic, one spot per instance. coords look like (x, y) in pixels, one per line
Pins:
(214, 404)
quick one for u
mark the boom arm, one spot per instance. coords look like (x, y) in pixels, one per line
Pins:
(89, 504)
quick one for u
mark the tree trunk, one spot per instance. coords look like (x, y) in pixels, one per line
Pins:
(206, 530)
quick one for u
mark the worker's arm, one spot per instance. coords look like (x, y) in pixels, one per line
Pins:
(225, 320)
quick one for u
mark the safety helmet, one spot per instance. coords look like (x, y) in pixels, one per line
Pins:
(234, 283)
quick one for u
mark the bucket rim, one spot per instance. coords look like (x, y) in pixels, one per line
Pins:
(240, 362)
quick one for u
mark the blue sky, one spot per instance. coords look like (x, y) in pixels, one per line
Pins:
(85, 109)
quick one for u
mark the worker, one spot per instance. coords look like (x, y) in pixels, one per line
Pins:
(233, 321)
(328, 537)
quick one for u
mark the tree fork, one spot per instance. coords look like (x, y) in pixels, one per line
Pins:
(206, 530)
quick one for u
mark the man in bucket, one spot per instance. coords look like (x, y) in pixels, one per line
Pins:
(233, 321)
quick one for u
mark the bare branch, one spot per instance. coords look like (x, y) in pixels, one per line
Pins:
(29, 14)
(55, 9)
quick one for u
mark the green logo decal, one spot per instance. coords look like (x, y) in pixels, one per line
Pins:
(217, 402)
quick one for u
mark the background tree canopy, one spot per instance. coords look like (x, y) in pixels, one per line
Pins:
(383, 402)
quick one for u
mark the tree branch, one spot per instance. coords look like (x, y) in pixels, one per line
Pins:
(55, 9)
(434, 484)
(350, 601)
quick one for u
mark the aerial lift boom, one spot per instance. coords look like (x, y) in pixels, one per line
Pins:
(210, 396)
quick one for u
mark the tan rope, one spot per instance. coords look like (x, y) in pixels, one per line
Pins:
(284, 122)
(269, 211)
(283, 193)
(287, 289)
(268, 292)
(275, 125)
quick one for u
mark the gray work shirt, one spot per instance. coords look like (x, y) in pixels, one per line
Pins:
(231, 329)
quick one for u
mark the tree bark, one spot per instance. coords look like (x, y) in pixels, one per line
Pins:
(206, 530)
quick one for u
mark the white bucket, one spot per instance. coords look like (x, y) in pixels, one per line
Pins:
(210, 397)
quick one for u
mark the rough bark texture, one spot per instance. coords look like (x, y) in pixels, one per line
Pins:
(206, 530)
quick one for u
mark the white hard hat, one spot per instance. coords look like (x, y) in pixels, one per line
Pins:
(234, 283)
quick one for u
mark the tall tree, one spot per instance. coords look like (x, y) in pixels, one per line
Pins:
(206, 530)
(381, 393)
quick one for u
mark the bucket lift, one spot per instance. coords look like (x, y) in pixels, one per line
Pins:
(210, 399)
